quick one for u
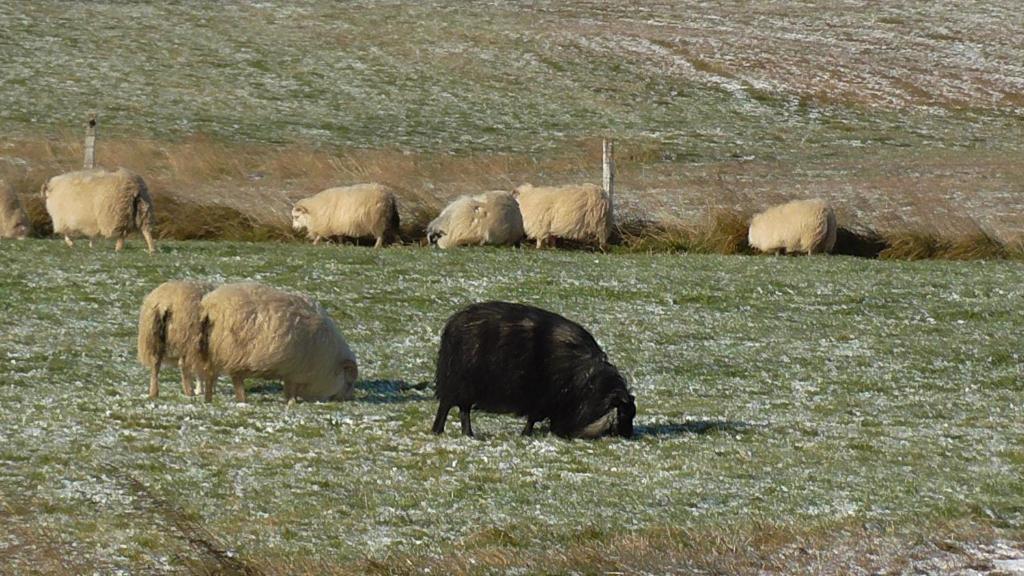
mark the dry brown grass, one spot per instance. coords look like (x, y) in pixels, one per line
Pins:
(756, 548)
(721, 231)
(207, 189)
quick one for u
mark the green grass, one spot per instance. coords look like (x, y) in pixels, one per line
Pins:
(802, 394)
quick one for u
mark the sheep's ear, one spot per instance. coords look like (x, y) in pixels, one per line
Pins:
(300, 209)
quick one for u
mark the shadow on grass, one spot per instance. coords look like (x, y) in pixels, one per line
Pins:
(691, 427)
(373, 391)
(392, 391)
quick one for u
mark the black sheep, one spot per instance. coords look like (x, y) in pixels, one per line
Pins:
(515, 359)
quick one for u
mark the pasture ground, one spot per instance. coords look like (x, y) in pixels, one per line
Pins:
(796, 415)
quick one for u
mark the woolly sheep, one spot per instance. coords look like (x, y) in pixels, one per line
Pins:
(576, 212)
(99, 203)
(351, 211)
(252, 330)
(169, 330)
(13, 222)
(488, 218)
(510, 358)
(800, 226)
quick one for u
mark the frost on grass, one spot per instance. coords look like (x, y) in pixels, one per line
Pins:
(790, 390)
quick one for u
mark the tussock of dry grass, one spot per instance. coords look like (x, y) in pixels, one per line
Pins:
(920, 245)
(722, 231)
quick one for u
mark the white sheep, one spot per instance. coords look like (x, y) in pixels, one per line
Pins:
(350, 211)
(13, 222)
(800, 226)
(253, 330)
(99, 203)
(169, 331)
(575, 212)
(488, 218)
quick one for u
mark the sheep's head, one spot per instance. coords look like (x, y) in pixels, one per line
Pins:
(346, 382)
(613, 408)
(21, 230)
(433, 236)
(435, 230)
(300, 217)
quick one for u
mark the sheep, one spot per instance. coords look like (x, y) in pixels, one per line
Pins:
(169, 330)
(511, 358)
(577, 212)
(13, 222)
(253, 330)
(800, 226)
(100, 203)
(351, 211)
(488, 218)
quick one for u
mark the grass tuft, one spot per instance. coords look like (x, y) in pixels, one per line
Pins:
(183, 220)
(722, 231)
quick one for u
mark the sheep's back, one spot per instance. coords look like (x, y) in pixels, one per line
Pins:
(799, 226)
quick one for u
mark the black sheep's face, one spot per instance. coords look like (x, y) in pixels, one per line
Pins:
(625, 413)
(615, 410)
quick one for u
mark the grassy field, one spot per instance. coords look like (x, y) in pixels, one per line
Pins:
(796, 415)
(906, 116)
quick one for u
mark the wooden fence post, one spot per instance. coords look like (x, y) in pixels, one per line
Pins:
(90, 142)
(608, 163)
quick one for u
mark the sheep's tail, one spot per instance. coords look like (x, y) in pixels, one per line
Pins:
(393, 220)
(204, 340)
(153, 336)
(142, 207)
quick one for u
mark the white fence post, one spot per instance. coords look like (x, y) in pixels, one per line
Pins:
(90, 142)
(608, 162)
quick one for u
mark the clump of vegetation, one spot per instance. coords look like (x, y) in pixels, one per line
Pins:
(183, 220)
(722, 231)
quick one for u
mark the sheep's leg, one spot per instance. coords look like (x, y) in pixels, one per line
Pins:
(528, 430)
(186, 381)
(149, 240)
(69, 241)
(154, 381)
(117, 246)
(316, 240)
(208, 387)
(380, 242)
(289, 392)
(467, 427)
(442, 416)
(239, 384)
(540, 242)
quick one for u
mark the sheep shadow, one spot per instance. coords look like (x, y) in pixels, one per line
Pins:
(691, 427)
(392, 391)
(371, 391)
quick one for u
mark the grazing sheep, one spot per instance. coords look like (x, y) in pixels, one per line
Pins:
(351, 211)
(509, 358)
(252, 330)
(99, 203)
(169, 330)
(800, 226)
(488, 218)
(13, 222)
(576, 212)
